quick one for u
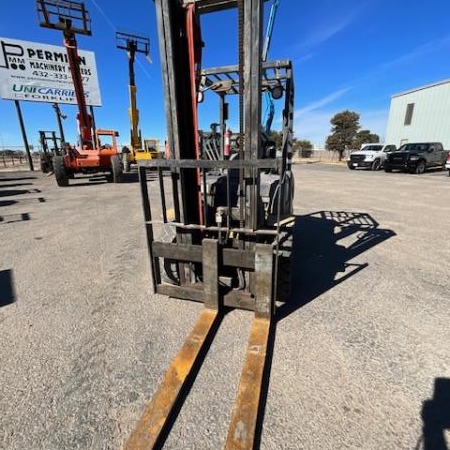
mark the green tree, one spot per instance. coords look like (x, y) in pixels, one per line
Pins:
(298, 145)
(303, 147)
(345, 126)
(365, 137)
(277, 137)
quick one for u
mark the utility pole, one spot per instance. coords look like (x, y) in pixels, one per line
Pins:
(24, 135)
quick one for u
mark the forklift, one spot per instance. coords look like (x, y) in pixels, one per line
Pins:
(50, 147)
(92, 155)
(134, 43)
(220, 227)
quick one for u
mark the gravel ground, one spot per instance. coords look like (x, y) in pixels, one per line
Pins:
(361, 354)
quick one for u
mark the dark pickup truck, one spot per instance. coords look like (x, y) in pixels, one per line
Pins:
(416, 157)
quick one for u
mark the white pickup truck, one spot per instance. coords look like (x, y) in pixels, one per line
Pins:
(371, 156)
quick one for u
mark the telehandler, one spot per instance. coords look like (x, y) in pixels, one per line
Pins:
(134, 43)
(91, 155)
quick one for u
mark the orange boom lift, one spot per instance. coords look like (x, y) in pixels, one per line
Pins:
(90, 157)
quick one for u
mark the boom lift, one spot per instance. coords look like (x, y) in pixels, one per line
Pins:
(134, 43)
(72, 18)
(227, 242)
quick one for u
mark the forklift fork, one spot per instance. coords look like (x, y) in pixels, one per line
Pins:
(152, 427)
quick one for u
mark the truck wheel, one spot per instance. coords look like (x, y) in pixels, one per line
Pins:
(117, 169)
(420, 167)
(126, 162)
(376, 165)
(59, 170)
(449, 173)
(351, 167)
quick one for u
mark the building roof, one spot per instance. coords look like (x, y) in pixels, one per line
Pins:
(438, 83)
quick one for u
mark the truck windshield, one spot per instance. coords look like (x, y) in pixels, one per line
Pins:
(414, 148)
(374, 148)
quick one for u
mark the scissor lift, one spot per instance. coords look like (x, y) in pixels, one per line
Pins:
(221, 243)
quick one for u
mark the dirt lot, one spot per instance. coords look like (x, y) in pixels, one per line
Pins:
(361, 353)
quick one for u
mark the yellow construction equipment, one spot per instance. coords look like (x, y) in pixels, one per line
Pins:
(134, 43)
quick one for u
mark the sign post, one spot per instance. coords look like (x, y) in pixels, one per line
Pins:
(24, 135)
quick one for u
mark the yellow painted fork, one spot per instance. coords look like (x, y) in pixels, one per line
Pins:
(155, 417)
(241, 432)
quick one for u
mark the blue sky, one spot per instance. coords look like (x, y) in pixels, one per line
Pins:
(344, 56)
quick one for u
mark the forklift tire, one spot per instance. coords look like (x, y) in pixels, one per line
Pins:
(284, 278)
(117, 169)
(126, 162)
(44, 167)
(59, 170)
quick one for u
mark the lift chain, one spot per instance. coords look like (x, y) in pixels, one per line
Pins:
(241, 110)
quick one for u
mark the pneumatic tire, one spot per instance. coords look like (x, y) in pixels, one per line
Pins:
(376, 165)
(284, 272)
(59, 169)
(116, 168)
(420, 168)
(126, 162)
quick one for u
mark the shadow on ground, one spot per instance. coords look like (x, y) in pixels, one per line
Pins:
(7, 179)
(436, 417)
(14, 218)
(10, 185)
(95, 180)
(12, 192)
(7, 202)
(319, 262)
(316, 260)
(7, 295)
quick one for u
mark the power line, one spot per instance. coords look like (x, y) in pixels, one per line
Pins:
(114, 28)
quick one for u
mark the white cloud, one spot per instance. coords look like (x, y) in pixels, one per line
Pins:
(422, 50)
(315, 126)
(312, 122)
(326, 27)
(404, 59)
(324, 32)
(303, 58)
(323, 101)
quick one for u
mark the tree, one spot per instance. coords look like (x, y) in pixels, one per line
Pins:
(298, 145)
(344, 131)
(365, 137)
(277, 137)
(303, 147)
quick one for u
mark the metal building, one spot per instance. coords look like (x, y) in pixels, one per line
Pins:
(420, 115)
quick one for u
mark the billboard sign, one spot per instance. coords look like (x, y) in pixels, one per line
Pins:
(40, 73)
